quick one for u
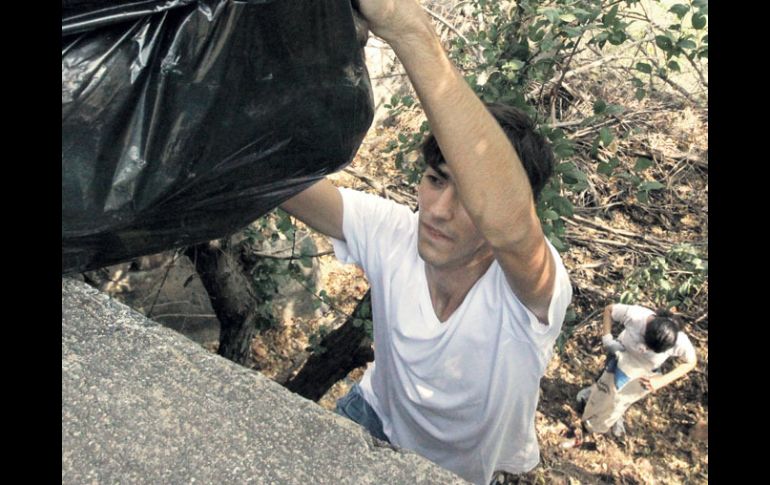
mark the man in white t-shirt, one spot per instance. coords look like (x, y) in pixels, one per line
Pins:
(468, 296)
(648, 339)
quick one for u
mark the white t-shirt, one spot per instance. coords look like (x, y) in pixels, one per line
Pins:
(461, 393)
(634, 319)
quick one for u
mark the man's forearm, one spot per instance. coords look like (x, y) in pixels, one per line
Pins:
(677, 372)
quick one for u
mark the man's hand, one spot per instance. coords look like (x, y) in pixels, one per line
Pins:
(653, 383)
(392, 19)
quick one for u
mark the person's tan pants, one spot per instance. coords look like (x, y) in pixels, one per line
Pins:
(606, 404)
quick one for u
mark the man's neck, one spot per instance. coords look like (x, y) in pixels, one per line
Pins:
(449, 286)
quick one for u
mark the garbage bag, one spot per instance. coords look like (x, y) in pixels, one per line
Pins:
(184, 121)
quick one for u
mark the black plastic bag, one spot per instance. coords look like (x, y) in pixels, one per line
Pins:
(184, 121)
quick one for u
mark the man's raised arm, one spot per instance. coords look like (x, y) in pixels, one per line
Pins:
(320, 207)
(492, 183)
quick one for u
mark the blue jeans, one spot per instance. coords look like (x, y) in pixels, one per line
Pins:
(355, 408)
(621, 379)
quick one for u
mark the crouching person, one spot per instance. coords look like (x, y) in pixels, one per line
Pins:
(632, 370)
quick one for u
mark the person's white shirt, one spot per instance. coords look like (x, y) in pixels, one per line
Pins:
(644, 360)
(462, 393)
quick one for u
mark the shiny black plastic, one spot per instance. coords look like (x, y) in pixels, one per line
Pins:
(190, 120)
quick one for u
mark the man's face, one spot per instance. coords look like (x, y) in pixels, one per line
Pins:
(447, 238)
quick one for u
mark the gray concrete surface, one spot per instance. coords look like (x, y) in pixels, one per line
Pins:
(143, 404)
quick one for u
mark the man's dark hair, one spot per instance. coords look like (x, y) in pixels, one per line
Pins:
(660, 334)
(533, 150)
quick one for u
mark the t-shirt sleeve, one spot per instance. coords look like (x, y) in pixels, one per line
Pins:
(683, 348)
(631, 316)
(562, 295)
(619, 312)
(524, 323)
(373, 228)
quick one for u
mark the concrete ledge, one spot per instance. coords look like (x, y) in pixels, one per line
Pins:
(143, 404)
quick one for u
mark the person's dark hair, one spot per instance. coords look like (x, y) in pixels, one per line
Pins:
(533, 150)
(660, 334)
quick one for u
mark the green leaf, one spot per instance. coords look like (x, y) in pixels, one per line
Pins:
(548, 193)
(637, 82)
(605, 169)
(686, 44)
(306, 262)
(651, 185)
(563, 148)
(643, 67)
(674, 66)
(599, 106)
(552, 14)
(642, 196)
(513, 65)
(563, 206)
(606, 136)
(664, 42)
(573, 32)
(583, 15)
(578, 186)
(617, 37)
(550, 215)
(557, 243)
(698, 21)
(609, 18)
(402, 138)
(567, 17)
(537, 35)
(565, 168)
(284, 224)
(642, 163)
(640, 93)
(679, 9)
(600, 37)
(366, 309)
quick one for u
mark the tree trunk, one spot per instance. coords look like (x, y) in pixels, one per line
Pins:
(232, 298)
(346, 348)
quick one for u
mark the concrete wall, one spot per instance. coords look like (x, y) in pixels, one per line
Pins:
(143, 404)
